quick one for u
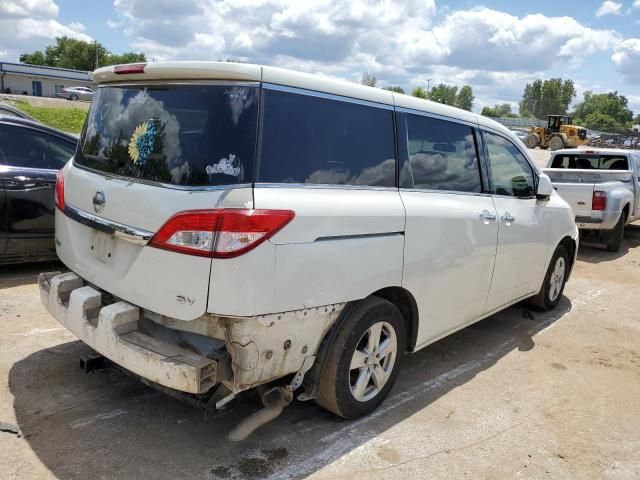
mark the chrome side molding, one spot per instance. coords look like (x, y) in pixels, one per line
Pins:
(119, 230)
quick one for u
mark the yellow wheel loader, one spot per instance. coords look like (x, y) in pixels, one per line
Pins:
(559, 133)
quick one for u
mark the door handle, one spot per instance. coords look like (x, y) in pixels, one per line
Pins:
(486, 216)
(507, 218)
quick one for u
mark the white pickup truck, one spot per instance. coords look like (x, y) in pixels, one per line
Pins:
(603, 188)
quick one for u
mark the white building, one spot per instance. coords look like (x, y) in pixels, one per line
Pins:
(38, 81)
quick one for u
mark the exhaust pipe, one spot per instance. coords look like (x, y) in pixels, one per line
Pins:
(274, 401)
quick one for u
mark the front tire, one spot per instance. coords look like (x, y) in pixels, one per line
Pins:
(363, 363)
(554, 281)
(532, 140)
(556, 143)
(73, 97)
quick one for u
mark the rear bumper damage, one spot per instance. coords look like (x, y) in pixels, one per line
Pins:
(189, 356)
(112, 330)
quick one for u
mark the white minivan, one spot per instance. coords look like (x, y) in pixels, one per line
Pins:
(228, 226)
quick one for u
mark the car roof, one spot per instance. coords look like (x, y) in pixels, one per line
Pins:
(194, 70)
(17, 111)
(23, 122)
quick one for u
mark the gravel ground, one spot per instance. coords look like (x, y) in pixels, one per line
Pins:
(521, 394)
(540, 156)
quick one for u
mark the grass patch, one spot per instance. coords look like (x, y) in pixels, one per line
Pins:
(65, 119)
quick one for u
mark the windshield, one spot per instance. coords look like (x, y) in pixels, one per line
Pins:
(191, 135)
(591, 162)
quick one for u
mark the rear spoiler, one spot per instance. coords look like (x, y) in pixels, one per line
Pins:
(179, 71)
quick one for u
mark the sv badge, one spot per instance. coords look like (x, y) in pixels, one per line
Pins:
(185, 300)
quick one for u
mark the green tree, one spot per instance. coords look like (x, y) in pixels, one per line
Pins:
(443, 93)
(79, 55)
(502, 110)
(606, 112)
(396, 89)
(420, 93)
(368, 79)
(465, 98)
(548, 97)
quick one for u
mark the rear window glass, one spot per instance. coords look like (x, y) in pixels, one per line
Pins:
(591, 162)
(313, 140)
(195, 135)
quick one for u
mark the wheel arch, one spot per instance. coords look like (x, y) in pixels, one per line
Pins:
(626, 209)
(406, 303)
(570, 244)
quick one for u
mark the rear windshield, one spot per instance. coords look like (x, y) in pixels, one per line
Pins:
(191, 135)
(591, 162)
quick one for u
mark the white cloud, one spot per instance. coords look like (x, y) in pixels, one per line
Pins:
(397, 41)
(28, 9)
(610, 8)
(627, 58)
(30, 25)
(636, 4)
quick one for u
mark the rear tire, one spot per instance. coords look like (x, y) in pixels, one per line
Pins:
(556, 143)
(73, 97)
(363, 363)
(614, 240)
(554, 281)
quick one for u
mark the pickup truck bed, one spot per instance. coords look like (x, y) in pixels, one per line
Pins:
(603, 192)
(577, 187)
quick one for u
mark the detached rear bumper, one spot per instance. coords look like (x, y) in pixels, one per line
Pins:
(112, 330)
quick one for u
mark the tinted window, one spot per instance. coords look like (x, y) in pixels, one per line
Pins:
(510, 172)
(182, 135)
(590, 162)
(442, 155)
(24, 147)
(308, 139)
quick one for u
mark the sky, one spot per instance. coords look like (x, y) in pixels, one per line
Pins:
(495, 46)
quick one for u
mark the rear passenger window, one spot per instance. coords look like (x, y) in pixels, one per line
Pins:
(442, 155)
(29, 148)
(314, 140)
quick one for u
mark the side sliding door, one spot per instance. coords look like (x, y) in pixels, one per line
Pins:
(451, 226)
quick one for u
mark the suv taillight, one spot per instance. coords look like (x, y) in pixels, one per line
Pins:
(223, 233)
(599, 200)
(60, 190)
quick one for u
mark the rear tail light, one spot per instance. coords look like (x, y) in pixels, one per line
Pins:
(129, 68)
(599, 200)
(221, 233)
(60, 190)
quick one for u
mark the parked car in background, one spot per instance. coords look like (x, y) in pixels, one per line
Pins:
(11, 111)
(521, 133)
(76, 93)
(371, 225)
(603, 188)
(30, 156)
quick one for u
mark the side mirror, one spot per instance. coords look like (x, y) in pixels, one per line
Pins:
(545, 187)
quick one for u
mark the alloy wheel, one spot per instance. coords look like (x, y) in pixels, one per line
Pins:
(372, 361)
(557, 279)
